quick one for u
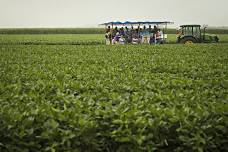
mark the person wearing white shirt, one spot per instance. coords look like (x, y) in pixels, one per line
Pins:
(159, 36)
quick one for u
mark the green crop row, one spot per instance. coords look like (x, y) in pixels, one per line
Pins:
(70, 39)
(52, 39)
(114, 98)
(82, 31)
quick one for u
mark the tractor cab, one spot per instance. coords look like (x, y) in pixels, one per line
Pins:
(194, 34)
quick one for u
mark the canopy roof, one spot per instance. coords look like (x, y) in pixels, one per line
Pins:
(191, 25)
(136, 23)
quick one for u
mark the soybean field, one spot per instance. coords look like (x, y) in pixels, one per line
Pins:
(73, 93)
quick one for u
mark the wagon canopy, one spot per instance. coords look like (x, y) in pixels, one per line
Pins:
(137, 23)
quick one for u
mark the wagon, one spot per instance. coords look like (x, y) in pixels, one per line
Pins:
(139, 32)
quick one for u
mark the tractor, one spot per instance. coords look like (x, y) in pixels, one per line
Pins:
(189, 34)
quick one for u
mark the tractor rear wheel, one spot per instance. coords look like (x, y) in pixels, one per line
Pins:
(188, 40)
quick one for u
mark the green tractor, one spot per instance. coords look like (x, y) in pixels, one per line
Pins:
(194, 34)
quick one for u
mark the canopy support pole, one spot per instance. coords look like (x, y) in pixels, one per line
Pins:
(111, 34)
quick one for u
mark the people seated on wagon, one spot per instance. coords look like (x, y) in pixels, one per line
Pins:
(122, 40)
(136, 37)
(152, 39)
(116, 38)
(145, 35)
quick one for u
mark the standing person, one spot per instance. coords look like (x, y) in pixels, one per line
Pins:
(131, 33)
(150, 35)
(108, 35)
(144, 38)
(159, 36)
(141, 35)
(141, 32)
(132, 30)
(155, 30)
(144, 28)
(114, 32)
(108, 29)
(127, 35)
(126, 30)
(122, 32)
(138, 28)
(137, 32)
(150, 29)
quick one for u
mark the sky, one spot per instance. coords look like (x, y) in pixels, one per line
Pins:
(90, 13)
